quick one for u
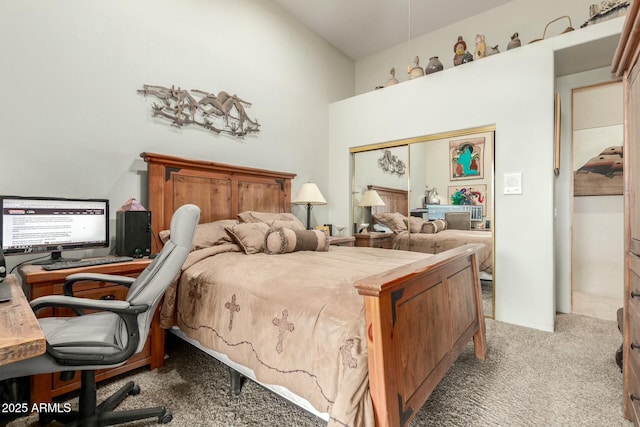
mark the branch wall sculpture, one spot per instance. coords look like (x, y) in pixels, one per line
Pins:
(391, 163)
(221, 113)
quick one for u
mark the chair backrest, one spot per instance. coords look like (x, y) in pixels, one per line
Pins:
(458, 220)
(152, 283)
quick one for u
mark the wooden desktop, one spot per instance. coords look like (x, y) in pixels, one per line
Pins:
(21, 336)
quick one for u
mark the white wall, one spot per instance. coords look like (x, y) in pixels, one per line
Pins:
(598, 247)
(73, 124)
(527, 17)
(475, 95)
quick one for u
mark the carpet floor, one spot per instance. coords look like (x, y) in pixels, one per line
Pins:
(530, 378)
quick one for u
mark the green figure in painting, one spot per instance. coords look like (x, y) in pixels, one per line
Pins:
(465, 159)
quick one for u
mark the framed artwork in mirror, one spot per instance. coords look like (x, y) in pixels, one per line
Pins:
(474, 195)
(466, 158)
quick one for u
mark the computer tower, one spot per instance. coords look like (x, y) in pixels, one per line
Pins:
(133, 233)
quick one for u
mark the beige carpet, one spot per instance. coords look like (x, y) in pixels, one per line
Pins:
(530, 378)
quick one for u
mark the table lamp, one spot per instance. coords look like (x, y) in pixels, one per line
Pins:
(309, 194)
(369, 199)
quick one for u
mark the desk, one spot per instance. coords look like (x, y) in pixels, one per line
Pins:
(20, 333)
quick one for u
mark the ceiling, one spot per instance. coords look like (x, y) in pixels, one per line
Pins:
(362, 27)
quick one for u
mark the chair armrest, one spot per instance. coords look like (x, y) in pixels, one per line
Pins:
(96, 277)
(127, 312)
(114, 306)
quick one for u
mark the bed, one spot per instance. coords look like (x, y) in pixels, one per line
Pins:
(396, 202)
(375, 332)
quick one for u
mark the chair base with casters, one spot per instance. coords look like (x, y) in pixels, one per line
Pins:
(91, 414)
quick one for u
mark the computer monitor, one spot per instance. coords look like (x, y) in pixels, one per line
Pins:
(33, 225)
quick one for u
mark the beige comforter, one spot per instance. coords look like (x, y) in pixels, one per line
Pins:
(295, 319)
(448, 239)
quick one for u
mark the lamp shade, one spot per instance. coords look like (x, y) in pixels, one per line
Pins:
(309, 194)
(371, 198)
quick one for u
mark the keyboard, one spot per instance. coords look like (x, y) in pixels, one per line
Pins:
(61, 265)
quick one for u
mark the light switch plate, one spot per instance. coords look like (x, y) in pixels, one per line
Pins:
(513, 183)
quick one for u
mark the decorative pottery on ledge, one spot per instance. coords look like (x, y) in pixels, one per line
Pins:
(392, 80)
(515, 42)
(416, 70)
(434, 65)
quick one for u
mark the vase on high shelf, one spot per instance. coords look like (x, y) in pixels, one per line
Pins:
(433, 66)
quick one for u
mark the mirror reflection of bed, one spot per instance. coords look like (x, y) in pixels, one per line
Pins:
(429, 178)
(433, 230)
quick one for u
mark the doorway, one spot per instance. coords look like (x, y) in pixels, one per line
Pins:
(597, 253)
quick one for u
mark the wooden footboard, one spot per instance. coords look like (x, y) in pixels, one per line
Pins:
(419, 317)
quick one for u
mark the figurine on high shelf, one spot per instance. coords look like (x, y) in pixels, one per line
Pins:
(462, 56)
(481, 47)
(416, 70)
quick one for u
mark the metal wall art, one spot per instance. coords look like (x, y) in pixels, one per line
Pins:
(221, 113)
(390, 163)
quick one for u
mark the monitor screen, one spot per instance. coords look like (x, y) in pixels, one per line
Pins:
(32, 225)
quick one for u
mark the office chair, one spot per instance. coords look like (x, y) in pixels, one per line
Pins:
(109, 337)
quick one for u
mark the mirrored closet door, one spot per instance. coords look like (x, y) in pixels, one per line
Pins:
(437, 177)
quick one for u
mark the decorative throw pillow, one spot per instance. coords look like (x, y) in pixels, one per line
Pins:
(281, 240)
(249, 236)
(435, 226)
(207, 234)
(212, 233)
(282, 219)
(415, 224)
(393, 220)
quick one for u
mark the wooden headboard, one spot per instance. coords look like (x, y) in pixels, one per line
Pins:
(220, 190)
(395, 200)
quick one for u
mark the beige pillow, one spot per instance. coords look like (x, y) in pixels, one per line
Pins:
(212, 233)
(394, 220)
(284, 240)
(435, 226)
(207, 234)
(281, 219)
(249, 236)
(415, 224)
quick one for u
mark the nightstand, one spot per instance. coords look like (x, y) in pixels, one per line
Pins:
(375, 240)
(342, 241)
(38, 282)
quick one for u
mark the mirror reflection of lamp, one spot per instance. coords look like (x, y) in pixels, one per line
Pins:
(309, 194)
(369, 199)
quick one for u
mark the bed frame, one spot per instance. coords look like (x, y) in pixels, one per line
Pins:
(419, 317)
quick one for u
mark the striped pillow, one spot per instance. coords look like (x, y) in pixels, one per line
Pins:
(281, 240)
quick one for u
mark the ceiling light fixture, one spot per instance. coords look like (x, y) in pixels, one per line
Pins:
(409, 36)
(414, 70)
